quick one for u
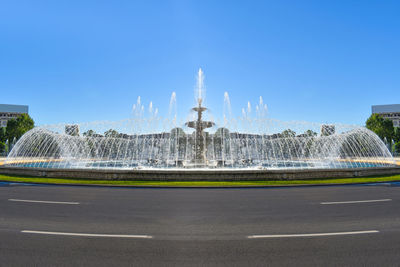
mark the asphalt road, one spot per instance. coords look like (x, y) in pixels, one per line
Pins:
(184, 227)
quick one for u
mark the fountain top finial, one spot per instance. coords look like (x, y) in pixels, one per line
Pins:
(199, 124)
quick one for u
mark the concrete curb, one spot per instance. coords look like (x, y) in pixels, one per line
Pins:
(201, 187)
(199, 175)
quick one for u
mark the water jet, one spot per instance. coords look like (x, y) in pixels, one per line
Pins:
(246, 147)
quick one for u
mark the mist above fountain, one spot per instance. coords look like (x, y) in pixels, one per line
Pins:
(154, 142)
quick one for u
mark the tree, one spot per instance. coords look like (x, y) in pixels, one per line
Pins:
(89, 133)
(396, 136)
(111, 133)
(397, 147)
(310, 133)
(3, 134)
(3, 138)
(288, 133)
(2, 147)
(17, 127)
(382, 127)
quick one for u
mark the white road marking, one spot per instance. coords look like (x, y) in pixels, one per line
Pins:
(356, 201)
(84, 234)
(315, 234)
(42, 201)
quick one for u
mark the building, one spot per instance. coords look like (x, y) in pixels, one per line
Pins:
(391, 112)
(8, 112)
(72, 129)
(327, 129)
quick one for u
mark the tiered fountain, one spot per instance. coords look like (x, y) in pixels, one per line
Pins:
(200, 159)
(133, 149)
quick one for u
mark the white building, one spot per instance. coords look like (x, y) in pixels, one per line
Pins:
(327, 129)
(391, 112)
(8, 112)
(72, 129)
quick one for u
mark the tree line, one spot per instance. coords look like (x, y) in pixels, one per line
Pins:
(14, 130)
(385, 130)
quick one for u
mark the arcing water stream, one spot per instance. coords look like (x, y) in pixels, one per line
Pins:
(245, 142)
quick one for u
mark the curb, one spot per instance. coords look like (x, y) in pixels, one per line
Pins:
(201, 187)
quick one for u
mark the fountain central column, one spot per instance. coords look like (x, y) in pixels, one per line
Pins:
(200, 139)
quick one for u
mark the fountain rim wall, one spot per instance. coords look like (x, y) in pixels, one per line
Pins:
(200, 175)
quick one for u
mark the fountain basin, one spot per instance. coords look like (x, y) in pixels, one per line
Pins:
(200, 174)
(261, 149)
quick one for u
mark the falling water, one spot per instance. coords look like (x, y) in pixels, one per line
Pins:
(227, 108)
(172, 110)
(150, 141)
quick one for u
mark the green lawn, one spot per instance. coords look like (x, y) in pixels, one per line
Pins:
(199, 183)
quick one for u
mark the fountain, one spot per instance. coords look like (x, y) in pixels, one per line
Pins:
(199, 125)
(246, 147)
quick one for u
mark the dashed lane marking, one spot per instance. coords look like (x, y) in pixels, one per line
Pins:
(314, 234)
(356, 201)
(84, 234)
(43, 201)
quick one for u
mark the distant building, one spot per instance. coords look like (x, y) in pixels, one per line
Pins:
(8, 112)
(391, 112)
(72, 129)
(327, 129)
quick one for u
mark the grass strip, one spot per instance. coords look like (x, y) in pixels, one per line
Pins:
(27, 179)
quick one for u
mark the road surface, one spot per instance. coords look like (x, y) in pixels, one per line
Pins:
(104, 226)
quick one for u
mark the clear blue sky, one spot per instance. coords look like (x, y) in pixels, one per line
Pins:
(320, 61)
